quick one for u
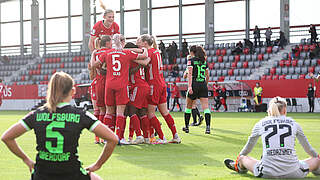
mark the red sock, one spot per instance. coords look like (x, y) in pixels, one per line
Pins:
(101, 117)
(170, 123)
(131, 128)
(145, 126)
(96, 113)
(136, 124)
(109, 122)
(120, 126)
(156, 125)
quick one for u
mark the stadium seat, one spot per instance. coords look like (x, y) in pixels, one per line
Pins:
(248, 57)
(307, 62)
(242, 72)
(216, 65)
(237, 58)
(232, 78)
(247, 72)
(219, 72)
(213, 73)
(269, 77)
(224, 72)
(228, 65)
(257, 64)
(263, 77)
(275, 77)
(278, 70)
(246, 51)
(288, 63)
(284, 70)
(257, 49)
(218, 52)
(288, 77)
(209, 59)
(234, 65)
(306, 48)
(220, 59)
(250, 64)
(269, 50)
(239, 65)
(266, 72)
(294, 63)
(221, 78)
(291, 70)
(214, 59)
(281, 63)
(227, 78)
(263, 50)
(273, 71)
(311, 69)
(223, 52)
(225, 59)
(313, 62)
(260, 57)
(295, 76)
(245, 64)
(222, 65)
(282, 77)
(230, 72)
(231, 58)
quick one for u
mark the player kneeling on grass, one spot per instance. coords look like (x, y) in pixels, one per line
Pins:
(57, 126)
(279, 159)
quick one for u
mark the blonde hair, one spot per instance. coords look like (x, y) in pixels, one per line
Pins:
(59, 87)
(276, 106)
(151, 40)
(97, 43)
(118, 39)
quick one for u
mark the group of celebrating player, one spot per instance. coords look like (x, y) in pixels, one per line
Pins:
(128, 81)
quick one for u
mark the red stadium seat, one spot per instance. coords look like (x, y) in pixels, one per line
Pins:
(302, 76)
(46, 77)
(211, 65)
(269, 77)
(281, 63)
(170, 67)
(22, 78)
(218, 52)
(47, 60)
(282, 77)
(220, 59)
(311, 69)
(54, 71)
(294, 63)
(269, 50)
(178, 79)
(82, 59)
(275, 77)
(246, 51)
(288, 63)
(245, 64)
(264, 77)
(39, 66)
(318, 61)
(234, 65)
(300, 47)
(165, 67)
(230, 72)
(306, 48)
(62, 65)
(237, 58)
(312, 47)
(273, 71)
(38, 71)
(221, 78)
(223, 52)
(30, 72)
(260, 57)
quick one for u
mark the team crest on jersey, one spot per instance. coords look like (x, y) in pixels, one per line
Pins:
(93, 31)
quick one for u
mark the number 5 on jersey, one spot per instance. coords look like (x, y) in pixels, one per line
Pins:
(116, 65)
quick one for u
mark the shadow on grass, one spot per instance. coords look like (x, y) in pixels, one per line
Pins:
(251, 176)
(171, 158)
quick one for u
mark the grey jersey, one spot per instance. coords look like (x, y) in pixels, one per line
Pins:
(278, 140)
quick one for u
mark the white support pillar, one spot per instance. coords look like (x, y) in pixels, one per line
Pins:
(85, 24)
(180, 25)
(44, 26)
(209, 21)
(122, 16)
(0, 29)
(69, 26)
(247, 19)
(143, 16)
(150, 17)
(35, 37)
(285, 18)
(21, 29)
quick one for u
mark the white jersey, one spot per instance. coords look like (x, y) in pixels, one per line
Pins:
(278, 140)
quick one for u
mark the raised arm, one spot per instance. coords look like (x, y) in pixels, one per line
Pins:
(91, 43)
(190, 69)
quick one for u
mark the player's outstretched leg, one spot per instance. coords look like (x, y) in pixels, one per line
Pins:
(240, 164)
(207, 116)
(170, 122)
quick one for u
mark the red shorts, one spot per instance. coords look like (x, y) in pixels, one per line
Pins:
(100, 91)
(93, 89)
(139, 96)
(158, 94)
(116, 96)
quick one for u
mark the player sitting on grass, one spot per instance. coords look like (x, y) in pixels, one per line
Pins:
(58, 126)
(279, 159)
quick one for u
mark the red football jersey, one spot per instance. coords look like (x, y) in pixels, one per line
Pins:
(99, 53)
(215, 90)
(1, 89)
(139, 76)
(118, 64)
(154, 74)
(175, 92)
(100, 29)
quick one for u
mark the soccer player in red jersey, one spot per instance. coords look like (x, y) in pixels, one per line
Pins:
(105, 43)
(104, 27)
(137, 107)
(117, 92)
(158, 95)
(216, 98)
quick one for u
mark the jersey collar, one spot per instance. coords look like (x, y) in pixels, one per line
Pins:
(62, 104)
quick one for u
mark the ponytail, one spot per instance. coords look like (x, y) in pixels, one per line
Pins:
(155, 46)
(276, 106)
(59, 87)
(200, 53)
(102, 5)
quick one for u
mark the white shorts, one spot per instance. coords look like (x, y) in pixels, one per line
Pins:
(300, 173)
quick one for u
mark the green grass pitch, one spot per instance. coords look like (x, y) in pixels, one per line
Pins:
(199, 156)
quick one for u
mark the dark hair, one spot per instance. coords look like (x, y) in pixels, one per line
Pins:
(200, 53)
(193, 49)
(130, 45)
(104, 39)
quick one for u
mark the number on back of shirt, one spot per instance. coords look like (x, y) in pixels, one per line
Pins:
(275, 130)
(116, 65)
